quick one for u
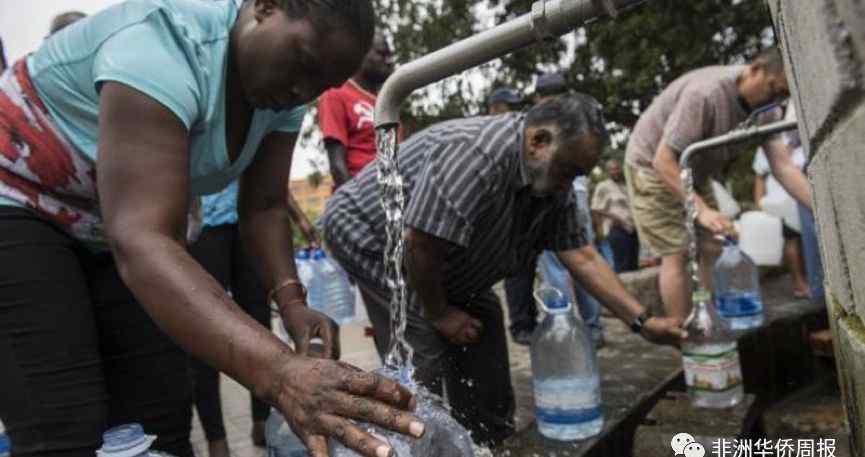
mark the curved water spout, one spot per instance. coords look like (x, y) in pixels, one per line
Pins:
(548, 19)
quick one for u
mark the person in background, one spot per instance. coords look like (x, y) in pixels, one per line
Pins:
(63, 20)
(108, 131)
(220, 251)
(486, 195)
(503, 100)
(519, 288)
(701, 104)
(346, 114)
(768, 188)
(610, 202)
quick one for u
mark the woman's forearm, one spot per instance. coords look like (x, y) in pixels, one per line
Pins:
(266, 236)
(197, 313)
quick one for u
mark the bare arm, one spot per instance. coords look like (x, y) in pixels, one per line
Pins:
(588, 268)
(265, 227)
(787, 173)
(143, 181)
(425, 262)
(666, 164)
(337, 156)
(759, 189)
(302, 222)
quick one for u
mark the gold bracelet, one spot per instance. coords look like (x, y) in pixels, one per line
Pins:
(288, 282)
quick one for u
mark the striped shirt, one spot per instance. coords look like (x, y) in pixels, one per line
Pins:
(466, 183)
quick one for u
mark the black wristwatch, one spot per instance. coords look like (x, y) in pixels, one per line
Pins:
(640, 321)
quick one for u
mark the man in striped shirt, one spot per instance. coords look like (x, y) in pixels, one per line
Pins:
(484, 196)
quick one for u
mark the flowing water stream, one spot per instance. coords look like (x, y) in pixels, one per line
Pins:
(444, 436)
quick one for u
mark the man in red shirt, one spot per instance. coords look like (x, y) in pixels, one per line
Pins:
(346, 114)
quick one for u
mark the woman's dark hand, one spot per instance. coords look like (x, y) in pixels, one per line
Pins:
(318, 397)
(303, 324)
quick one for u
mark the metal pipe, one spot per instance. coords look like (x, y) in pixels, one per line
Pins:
(549, 18)
(736, 136)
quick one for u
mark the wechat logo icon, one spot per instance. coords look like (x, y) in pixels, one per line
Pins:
(685, 445)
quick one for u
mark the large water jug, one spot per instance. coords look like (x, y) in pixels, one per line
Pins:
(760, 237)
(710, 355)
(555, 275)
(281, 441)
(737, 288)
(303, 264)
(128, 440)
(783, 206)
(331, 292)
(567, 382)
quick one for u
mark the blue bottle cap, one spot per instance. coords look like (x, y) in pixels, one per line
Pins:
(318, 254)
(302, 254)
(730, 241)
(126, 440)
(558, 303)
(5, 444)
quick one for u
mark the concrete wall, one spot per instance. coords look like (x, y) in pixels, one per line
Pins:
(824, 44)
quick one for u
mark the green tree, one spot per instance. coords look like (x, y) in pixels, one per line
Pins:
(623, 62)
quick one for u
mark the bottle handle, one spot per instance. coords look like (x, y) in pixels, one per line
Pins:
(539, 297)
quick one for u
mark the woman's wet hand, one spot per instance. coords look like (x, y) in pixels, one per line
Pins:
(304, 324)
(318, 397)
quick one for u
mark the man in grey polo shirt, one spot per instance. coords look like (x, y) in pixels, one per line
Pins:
(485, 196)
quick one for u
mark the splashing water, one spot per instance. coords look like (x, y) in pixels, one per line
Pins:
(392, 192)
(444, 436)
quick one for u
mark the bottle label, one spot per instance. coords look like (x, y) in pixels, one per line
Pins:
(567, 416)
(712, 368)
(739, 304)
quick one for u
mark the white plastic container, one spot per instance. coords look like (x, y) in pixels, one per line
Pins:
(783, 206)
(727, 205)
(761, 238)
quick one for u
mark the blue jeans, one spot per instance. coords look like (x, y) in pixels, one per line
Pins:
(811, 252)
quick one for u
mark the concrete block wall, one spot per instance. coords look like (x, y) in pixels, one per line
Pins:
(824, 46)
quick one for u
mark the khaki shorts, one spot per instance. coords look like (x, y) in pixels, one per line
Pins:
(658, 214)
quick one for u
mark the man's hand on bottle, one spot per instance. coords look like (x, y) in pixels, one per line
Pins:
(664, 330)
(714, 221)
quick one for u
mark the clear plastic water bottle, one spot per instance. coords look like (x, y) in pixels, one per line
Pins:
(5, 445)
(303, 264)
(443, 435)
(128, 440)
(737, 288)
(555, 275)
(333, 294)
(281, 441)
(565, 371)
(710, 356)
